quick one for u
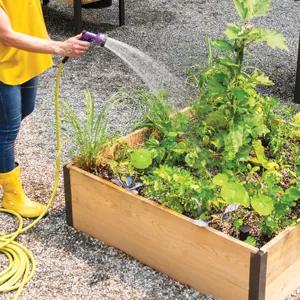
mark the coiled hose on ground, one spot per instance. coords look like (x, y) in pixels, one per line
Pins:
(21, 263)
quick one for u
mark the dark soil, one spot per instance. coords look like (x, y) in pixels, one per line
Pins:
(103, 171)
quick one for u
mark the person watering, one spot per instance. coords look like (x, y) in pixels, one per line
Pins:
(25, 53)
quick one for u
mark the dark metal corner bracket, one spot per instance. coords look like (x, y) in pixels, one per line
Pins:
(258, 275)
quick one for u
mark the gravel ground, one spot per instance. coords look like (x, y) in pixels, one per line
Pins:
(70, 264)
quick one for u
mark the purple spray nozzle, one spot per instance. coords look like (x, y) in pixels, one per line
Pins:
(97, 38)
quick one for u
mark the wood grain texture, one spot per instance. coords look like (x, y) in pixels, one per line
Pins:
(283, 267)
(258, 272)
(206, 259)
(136, 138)
(203, 258)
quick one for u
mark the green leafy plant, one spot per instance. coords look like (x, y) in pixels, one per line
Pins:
(141, 158)
(226, 144)
(235, 153)
(231, 191)
(90, 134)
(167, 141)
(296, 127)
(176, 188)
(251, 241)
(158, 113)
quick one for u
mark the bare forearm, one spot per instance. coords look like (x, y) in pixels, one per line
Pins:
(72, 47)
(30, 43)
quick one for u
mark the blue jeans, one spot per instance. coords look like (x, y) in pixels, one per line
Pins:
(16, 102)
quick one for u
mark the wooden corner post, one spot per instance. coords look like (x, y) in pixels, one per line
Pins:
(258, 275)
(68, 195)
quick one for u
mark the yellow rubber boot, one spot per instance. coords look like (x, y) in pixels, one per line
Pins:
(14, 197)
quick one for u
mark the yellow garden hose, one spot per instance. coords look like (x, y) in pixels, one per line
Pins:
(21, 263)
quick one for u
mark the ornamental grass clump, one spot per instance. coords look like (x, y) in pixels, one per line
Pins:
(90, 134)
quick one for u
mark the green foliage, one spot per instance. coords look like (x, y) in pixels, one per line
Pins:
(251, 241)
(237, 121)
(158, 111)
(235, 193)
(231, 192)
(262, 204)
(141, 158)
(238, 223)
(177, 189)
(248, 9)
(89, 135)
(229, 144)
(296, 127)
(260, 158)
(234, 146)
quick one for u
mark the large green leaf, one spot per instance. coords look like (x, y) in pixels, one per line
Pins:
(141, 158)
(297, 119)
(220, 179)
(233, 141)
(262, 204)
(223, 45)
(235, 193)
(258, 126)
(259, 7)
(215, 87)
(293, 193)
(260, 156)
(251, 241)
(226, 61)
(236, 136)
(240, 93)
(241, 8)
(274, 39)
(216, 119)
(248, 9)
(270, 37)
(260, 78)
(259, 150)
(232, 31)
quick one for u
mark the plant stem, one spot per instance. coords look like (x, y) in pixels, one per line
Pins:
(240, 55)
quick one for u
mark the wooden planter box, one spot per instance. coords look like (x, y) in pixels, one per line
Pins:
(203, 258)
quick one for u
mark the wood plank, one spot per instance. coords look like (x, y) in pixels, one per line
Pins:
(284, 284)
(203, 258)
(283, 268)
(136, 138)
(68, 196)
(258, 272)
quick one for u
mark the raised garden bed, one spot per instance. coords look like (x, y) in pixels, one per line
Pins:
(230, 162)
(203, 258)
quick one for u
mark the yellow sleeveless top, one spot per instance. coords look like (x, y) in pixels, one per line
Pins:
(18, 66)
